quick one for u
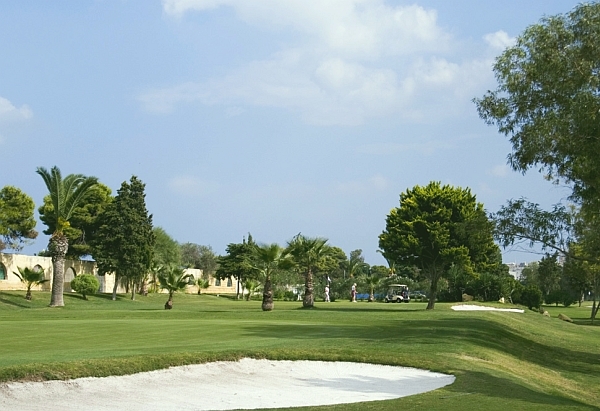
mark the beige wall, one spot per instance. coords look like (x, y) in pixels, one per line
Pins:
(10, 262)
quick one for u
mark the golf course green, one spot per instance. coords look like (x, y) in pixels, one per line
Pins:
(502, 361)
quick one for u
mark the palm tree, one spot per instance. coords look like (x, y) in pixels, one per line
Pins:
(269, 258)
(251, 285)
(174, 279)
(66, 194)
(372, 282)
(306, 253)
(202, 284)
(30, 277)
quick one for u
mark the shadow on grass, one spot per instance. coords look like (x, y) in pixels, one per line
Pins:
(472, 331)
(358, 308)
(6, 301)
(503, 388)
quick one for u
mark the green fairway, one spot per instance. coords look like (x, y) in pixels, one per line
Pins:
(501, 360)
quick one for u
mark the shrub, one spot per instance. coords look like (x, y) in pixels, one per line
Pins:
(85, 284)
(531, 296)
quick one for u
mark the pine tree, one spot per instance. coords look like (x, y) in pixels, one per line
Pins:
(124, 244)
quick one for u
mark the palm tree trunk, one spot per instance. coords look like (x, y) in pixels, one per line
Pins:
(267, 302)
(309, 297)
(58, 246)
(133, 290)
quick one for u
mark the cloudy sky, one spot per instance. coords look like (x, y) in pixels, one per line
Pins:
(265, 116)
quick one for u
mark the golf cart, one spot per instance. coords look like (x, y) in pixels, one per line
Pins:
(397, 293)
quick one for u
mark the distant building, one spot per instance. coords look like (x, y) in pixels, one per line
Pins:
(9, 264)
(515, 269)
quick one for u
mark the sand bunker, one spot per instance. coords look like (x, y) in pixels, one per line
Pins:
(246, 384)
(466, 307)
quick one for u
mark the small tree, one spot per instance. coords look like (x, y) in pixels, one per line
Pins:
(532, 296)
(252, 286)
(174, 279)
(85, 284)
(373, 281)
(202, 285)
(30, 277)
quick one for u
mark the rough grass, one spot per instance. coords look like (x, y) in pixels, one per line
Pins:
(501, 360)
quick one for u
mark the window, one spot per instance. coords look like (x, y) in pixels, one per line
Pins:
(2, 272)
(217, 282)
(229, 282)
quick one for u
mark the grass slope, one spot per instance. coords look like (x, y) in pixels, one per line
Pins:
(501, 360)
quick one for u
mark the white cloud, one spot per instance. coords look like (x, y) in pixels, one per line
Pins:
(375, 183)
(425, 148)
(352, 60)
(499, 40)
(8, 112)
(500, 171)
(192, 186)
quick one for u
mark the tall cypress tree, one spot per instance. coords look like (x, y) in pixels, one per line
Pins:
(124, 244)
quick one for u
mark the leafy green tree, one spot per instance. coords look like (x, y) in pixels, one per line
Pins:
(238, 262)
(547, 100)
(85, 284)
(379, 271)
(17, 222)
(166, 249)
(124, 244)
(549, 274)
(307, 254)
(84, 219)
(30, 278)
(436, 226)
(199, 256)
(66, 195)
(174, 279)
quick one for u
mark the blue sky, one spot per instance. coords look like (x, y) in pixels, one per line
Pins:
(264, 116)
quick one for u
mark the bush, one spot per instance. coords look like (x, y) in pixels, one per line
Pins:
(531, 296)
(85, 284)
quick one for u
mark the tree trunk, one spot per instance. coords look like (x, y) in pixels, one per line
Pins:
(267, 302)
(132, 290)
(169, 303)
(114, 293)
(309, 298)
(28, 294)
(58, 246)
(371, 296)
(433, 291)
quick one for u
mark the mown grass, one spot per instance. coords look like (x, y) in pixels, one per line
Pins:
(501, 360)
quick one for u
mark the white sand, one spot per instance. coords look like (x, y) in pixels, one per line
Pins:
(466, 307)
(246, 384)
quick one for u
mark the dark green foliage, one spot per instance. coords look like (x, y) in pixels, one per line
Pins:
(124, 244)
(238, 262)
(166, 249)
(199, 256)
(547, 99)
(83, 223)
(436, 227)
(17, 222)
(531, 296)
(85, 284)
